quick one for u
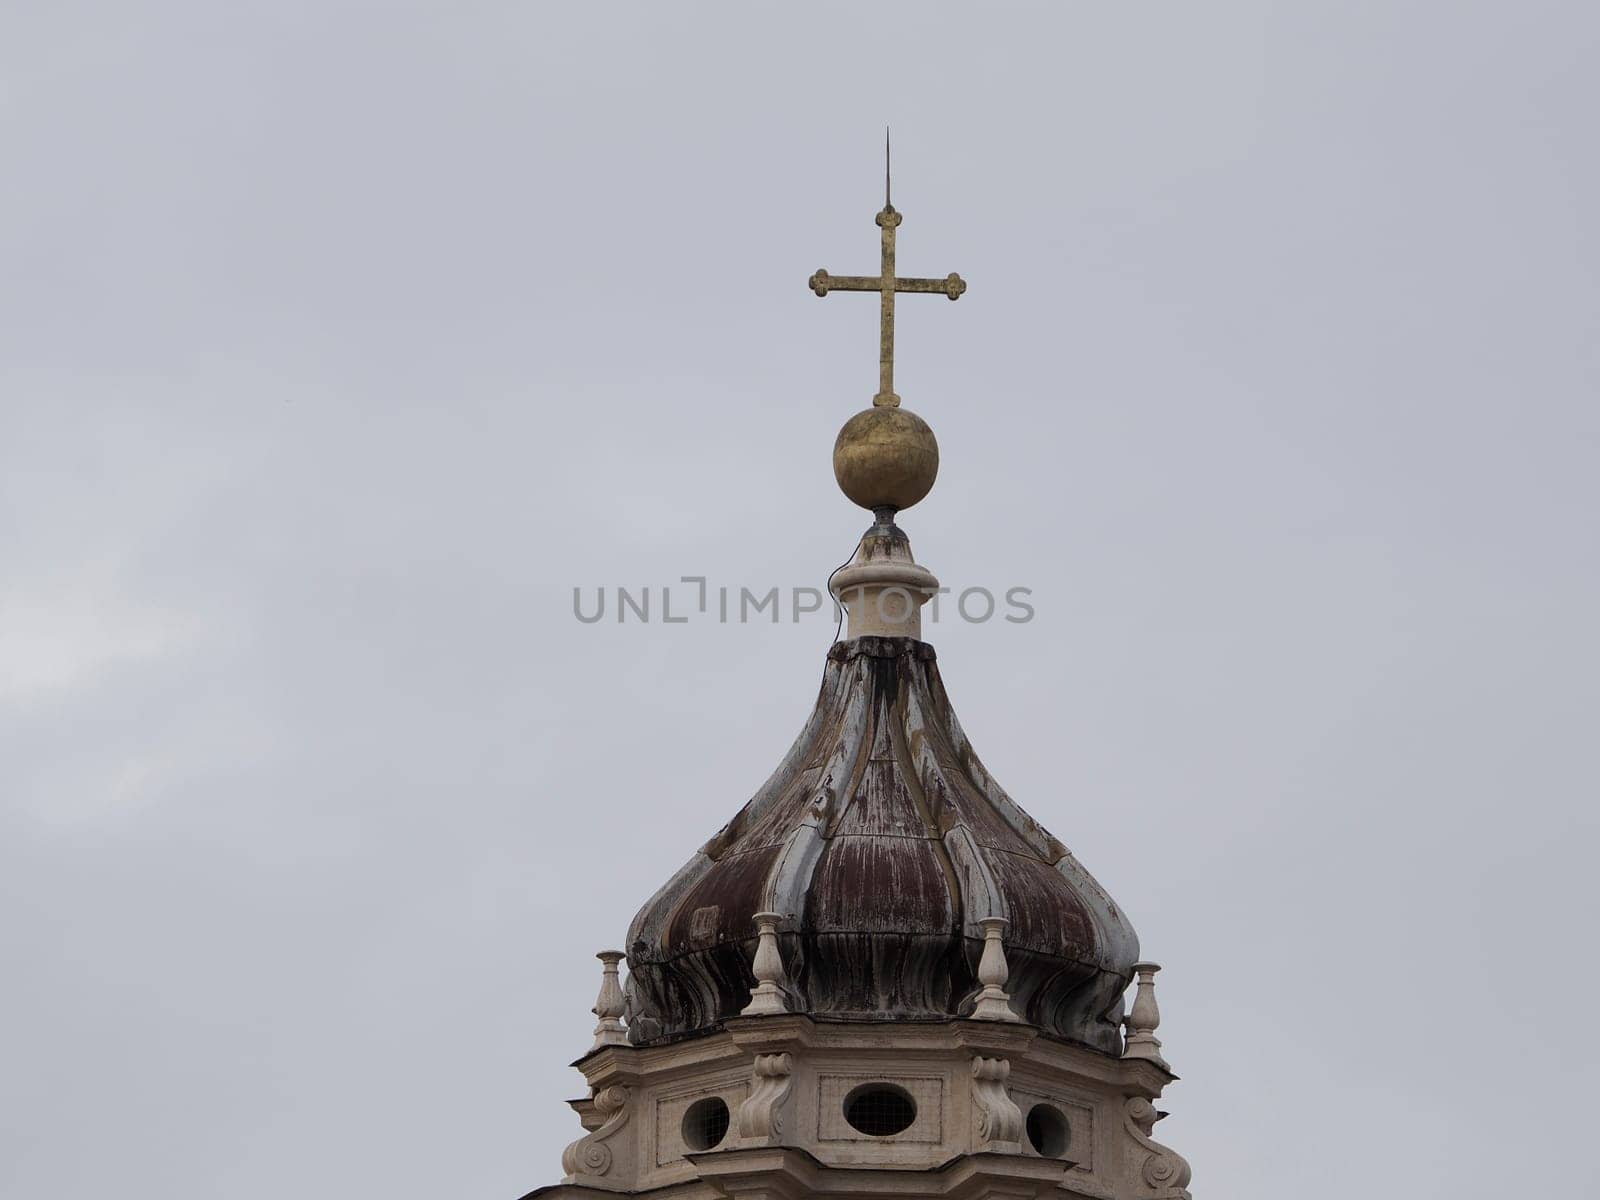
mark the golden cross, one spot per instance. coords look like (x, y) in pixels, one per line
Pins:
(886, 284)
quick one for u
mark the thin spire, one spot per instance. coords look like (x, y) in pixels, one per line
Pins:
(888, 207)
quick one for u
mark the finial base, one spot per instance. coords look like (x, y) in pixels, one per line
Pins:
(883, 588)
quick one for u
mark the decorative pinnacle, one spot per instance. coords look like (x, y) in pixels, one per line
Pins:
(994, 1002)
(1144, 1017)
(767, 997)
(610, 1005)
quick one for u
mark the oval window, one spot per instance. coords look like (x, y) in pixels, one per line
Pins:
(1048, 1131)
(880, 1109)
(705, 1124)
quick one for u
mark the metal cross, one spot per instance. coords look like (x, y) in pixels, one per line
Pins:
(886, 284)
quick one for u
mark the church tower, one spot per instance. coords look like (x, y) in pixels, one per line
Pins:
(882, 978)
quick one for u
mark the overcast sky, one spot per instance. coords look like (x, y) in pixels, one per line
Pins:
(340, 341)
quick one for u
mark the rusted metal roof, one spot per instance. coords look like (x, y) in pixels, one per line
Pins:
(884, 842)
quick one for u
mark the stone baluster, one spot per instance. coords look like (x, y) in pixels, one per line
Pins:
(767, 997)
(994, 1004)
(1143, 1018)
(610, 1004)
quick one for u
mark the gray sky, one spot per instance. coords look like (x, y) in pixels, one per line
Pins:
(340, 341)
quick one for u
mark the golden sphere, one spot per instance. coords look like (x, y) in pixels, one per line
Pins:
(885, 457)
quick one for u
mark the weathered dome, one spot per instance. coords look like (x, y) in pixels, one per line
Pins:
(884, 842)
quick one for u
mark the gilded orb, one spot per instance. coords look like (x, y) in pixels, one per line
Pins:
(885, 457)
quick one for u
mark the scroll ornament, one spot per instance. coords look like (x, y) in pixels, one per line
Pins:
(1165, 1172)
(761, 1115)
(590, 1155)
(999, 1118)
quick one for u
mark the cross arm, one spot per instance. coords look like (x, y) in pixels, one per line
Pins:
(951, 285)
(822, 283)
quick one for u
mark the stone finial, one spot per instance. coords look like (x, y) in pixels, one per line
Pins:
(993, 1002)
(767, 997)
(882, 588)
(1143, 1018)
(609, 1005)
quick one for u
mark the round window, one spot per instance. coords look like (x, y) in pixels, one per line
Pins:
(880, 1109)
(1048, 1131)
(706, 1123)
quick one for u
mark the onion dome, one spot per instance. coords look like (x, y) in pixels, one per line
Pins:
(880, 848)
(883, 843)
